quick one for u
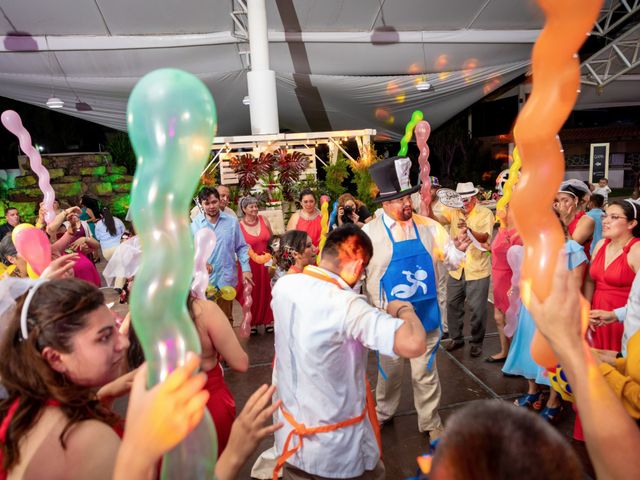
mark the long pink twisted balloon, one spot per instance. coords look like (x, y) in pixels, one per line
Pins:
(422, 131)
(11, 120)
(205, 242)
(245, 326)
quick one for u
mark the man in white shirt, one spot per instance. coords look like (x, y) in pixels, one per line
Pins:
(406, 248)
(603, 189)
(323, 331)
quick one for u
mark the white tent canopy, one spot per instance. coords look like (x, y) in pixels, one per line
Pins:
(339, 64)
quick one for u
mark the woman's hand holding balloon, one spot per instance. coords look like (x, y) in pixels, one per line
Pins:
(601, 317)
(61, 267)
(159, 418)
(248, 276)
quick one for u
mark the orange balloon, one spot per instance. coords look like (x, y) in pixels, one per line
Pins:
(556, 80)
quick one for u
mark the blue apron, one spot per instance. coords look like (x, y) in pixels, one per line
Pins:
(410, 277)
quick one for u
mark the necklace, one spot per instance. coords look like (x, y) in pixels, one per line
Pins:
(244, 220)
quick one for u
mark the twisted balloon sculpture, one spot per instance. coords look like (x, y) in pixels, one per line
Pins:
(247, 316)
(205, 240)
(171, 119)
(514, 175)
(324, 221)
(11, 120)
(423, 130)
(556, 80)
(416, 117)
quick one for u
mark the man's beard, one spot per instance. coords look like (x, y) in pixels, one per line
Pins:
(406, 214)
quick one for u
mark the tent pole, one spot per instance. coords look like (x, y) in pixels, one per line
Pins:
(261, 81)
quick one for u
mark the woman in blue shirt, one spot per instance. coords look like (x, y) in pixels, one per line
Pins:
(109, 230)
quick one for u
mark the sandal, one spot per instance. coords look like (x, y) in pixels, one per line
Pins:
(529, 400)
(551, 415)
(268, 329)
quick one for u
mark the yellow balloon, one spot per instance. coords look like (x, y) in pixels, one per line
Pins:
(228, 293)
(31, 273)
(514, 176)
(18, 229)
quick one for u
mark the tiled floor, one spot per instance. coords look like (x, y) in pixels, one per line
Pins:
(464, 379)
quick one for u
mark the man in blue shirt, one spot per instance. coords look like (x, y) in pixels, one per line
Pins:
(229, 244)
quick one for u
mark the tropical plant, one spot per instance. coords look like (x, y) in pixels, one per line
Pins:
(366, 189)
(119, 146)
(289, 166)
(249, 169)
(336, 173)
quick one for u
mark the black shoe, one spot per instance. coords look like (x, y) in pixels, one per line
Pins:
(491, 359)
(476, 350)
(454, 345)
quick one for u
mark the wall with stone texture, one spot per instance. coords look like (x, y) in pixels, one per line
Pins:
(72, 175)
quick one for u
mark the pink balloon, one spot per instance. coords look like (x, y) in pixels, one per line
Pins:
(245, 326)
(422, 132)
(205, 242)
(33, 245)
(11, 120)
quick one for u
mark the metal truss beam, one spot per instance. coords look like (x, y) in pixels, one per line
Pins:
(613, 14)
(618, 57)
(240, 22)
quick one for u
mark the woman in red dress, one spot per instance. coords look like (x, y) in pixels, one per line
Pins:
(308, 218)
(501, 278)
(616, 260)
(568, 203)
(257, 231)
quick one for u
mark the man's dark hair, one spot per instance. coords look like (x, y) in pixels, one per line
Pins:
(492, 439)
(8, 209)
(597, 200)
(350, 240)
(206, 192)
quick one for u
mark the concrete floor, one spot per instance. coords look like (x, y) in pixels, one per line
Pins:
(464, 379)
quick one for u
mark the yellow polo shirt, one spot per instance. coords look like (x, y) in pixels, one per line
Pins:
(477, 264)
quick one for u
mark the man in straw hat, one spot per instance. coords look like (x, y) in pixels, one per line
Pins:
(470, 282)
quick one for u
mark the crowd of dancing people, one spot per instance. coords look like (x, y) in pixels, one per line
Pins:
(390, 281)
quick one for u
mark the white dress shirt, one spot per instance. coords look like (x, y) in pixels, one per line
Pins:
(630, 314)
(321, 338)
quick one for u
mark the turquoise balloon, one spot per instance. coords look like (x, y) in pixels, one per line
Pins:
(416, 116)
(171, 119)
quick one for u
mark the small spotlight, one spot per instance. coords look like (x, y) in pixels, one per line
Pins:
(55, 102)
(246, 100)
(423, 86)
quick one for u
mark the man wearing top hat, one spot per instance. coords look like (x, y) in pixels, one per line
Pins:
(402, 268)
(470, 282)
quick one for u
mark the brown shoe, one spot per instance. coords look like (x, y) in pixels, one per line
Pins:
(454, 345)
(476, 350)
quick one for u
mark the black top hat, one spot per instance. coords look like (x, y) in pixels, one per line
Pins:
(391, 175)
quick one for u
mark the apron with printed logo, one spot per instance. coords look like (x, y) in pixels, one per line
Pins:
(410, 277)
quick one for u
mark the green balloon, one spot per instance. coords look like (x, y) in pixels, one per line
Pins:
(171, 119)
(416, 116)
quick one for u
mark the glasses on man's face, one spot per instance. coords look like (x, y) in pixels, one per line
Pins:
(613, 217)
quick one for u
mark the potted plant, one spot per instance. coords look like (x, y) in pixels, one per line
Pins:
(249, 169)
(290, 166)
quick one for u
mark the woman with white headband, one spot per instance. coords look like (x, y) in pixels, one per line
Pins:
(616, 259)
(567, 204)
(60, 346)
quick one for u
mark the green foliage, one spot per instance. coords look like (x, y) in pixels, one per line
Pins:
(364, 185)
(119, 146)
(336, 174)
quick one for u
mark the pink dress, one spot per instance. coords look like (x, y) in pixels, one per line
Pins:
(261, 309)
(500, 269)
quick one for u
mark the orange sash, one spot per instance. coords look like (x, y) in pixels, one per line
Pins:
(301, 430)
